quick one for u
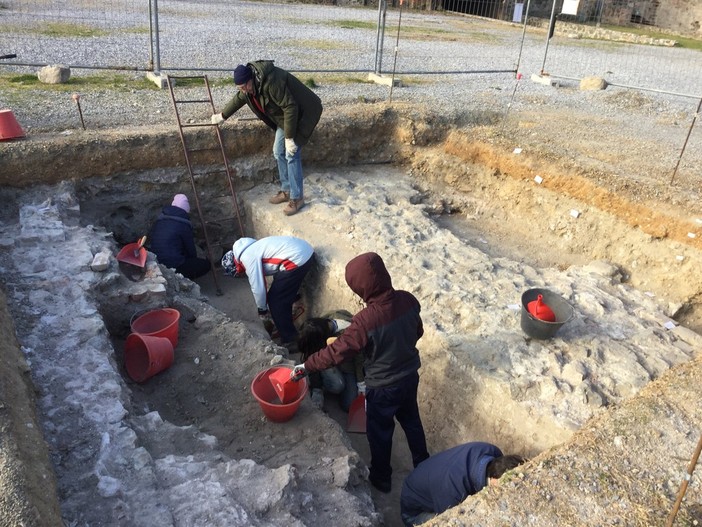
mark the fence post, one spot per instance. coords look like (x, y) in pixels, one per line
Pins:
(155, 39)
(380, 37)
(551, 27)
(155, 60)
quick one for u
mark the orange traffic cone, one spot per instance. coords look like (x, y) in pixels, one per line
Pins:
(9, 127)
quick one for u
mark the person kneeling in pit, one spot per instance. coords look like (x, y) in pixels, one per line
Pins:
(346, 379)
(172, 240)
(446, 479)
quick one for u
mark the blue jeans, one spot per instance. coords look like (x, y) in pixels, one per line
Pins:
(289, 168)
(350, 391)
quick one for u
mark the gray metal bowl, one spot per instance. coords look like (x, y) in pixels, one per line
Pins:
(541, 329)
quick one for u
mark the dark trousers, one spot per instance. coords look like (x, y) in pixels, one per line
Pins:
(194, 268)
(281, 296)
(383, 406)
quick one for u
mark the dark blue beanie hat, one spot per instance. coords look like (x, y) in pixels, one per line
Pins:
(242, 75)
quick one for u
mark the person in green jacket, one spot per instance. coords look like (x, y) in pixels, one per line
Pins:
(290, 108)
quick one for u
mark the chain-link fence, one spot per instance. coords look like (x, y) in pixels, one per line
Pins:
(590, 38)
(112, 34)
(615, 40)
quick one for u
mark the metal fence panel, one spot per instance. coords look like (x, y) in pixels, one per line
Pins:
(603, 38)
(81, 33)
(324, 37)
(470, 44)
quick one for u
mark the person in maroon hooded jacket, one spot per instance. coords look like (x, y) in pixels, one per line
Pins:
(386, 331)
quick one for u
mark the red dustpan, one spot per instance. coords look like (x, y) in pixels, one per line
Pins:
(133, 253)
(132, 259)
(281, 381)
(357, 415)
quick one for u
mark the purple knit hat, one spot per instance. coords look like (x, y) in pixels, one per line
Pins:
(181, 201)
(242, 75)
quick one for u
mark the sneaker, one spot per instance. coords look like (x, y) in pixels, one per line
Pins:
(280, 197)
(383, 485)
(293, 206)
(318, 398)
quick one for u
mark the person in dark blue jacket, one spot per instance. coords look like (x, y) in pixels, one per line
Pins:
(446, 479)
(172, 241)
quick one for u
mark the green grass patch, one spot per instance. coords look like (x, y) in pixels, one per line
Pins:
(354, 24)
(62, 29)
(193, 82)
(141, 30)
(102, 81)
(340, 78)
(446, 35)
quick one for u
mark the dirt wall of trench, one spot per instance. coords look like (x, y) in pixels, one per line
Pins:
(24, 459)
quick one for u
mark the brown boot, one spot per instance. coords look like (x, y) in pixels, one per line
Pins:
(280, 197)
(293, 206)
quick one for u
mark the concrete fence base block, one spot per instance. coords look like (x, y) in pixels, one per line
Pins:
(543, 79)
(384, 80)
(158, 79)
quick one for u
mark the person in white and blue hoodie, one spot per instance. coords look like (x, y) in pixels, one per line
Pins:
(172, 240)
(446, 479)
(288, 260)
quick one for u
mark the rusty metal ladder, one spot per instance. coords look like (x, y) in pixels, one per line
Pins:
(188, 150)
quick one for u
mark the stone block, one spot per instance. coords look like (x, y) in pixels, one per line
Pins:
(592, 83)
(101, 261)
(55, 74)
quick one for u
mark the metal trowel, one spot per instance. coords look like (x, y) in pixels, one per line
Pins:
(132, 260)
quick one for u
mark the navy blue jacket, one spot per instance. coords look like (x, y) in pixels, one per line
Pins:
(171, 238)
(447, 478)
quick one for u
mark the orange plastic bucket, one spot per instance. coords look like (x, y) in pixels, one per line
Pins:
(158, 323)
(145, 356)
(267, 397)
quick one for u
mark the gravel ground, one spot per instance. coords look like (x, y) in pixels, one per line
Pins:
(304, 38)
(628, 140)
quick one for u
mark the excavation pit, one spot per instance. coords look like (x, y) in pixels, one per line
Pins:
(525, 396)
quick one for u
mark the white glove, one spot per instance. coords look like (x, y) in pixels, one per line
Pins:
(217, 119)
(361, 387)
(298, 372)
(290, 147)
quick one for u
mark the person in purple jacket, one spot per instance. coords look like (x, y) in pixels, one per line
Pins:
(449, 477)
(386, 332)
(172, 240)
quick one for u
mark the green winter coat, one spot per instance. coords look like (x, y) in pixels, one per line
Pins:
(286, 102)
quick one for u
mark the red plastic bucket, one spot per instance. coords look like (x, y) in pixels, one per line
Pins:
(264, 392)
(145, 356)
(158, 323)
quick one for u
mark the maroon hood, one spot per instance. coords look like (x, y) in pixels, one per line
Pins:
(367, 276)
